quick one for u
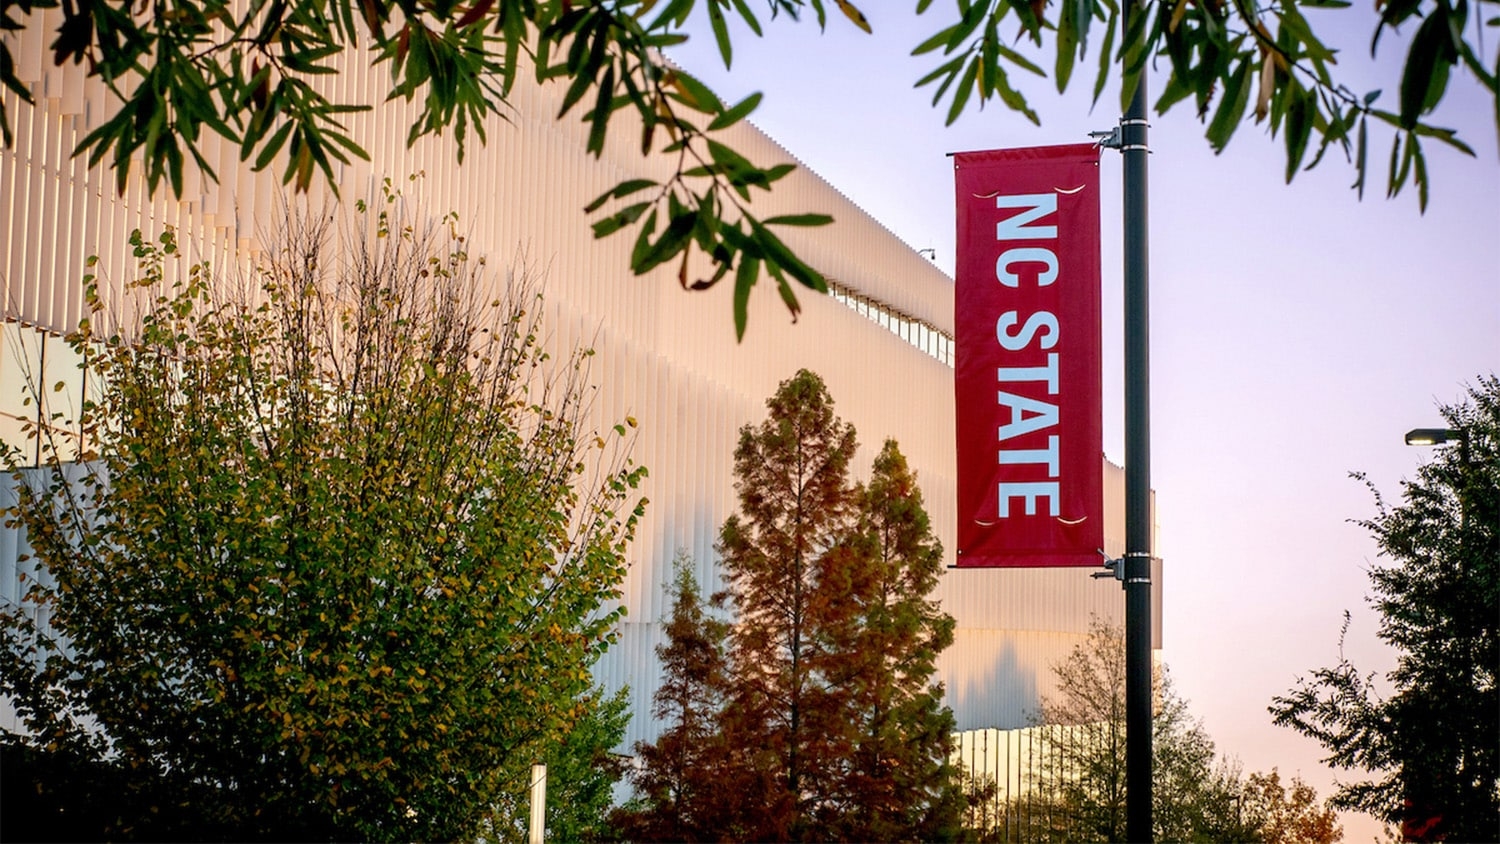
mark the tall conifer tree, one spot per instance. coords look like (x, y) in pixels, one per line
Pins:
(900, 780)
(796, 508)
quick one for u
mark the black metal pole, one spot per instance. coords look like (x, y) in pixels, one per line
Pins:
(1137, 562)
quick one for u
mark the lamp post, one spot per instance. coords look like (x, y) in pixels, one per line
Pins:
(1419, 816)
(1443, 436)
(1134, 569)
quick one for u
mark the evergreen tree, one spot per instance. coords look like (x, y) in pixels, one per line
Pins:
(904, 731)
(1434, 743)
(797, 512)
(684, 778)
(813, 717)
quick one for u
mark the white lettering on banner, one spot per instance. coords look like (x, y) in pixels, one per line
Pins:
(1048, 373)
(1043, 415)
(1037, 205)
(1034, 323)
(1027, 456)
(1026, 255)
(1031, 492)
(1028, 414)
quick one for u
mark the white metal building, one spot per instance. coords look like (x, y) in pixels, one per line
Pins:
(665, 356)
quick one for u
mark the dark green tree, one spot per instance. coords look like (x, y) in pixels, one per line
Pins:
(183, 68)
(1431, 748)
(338, 557)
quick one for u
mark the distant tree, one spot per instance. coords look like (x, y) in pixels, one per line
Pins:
(1196, 795)
(184, 68)
(983, 815)
(1288, 817)
(1432, 747)
(1090, 704)
(825, 724)
(337, 558)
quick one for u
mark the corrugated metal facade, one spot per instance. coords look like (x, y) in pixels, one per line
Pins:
(665, 356)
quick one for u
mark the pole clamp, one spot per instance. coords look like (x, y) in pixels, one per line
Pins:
(1112, 568)
(1115, 138)
(1139, 555)
(1108, 139)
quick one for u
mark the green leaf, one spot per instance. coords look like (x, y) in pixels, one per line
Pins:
(675, 14)
(1067, 44)
(779, 257)
(643, 240)
(799, 220)
(698, 95)
(599, 121)
(721, 32)
(1301, 109)
(748, 17)
(1019, 60)
(1297, 25)
(948, 68)
(576, 89)
(620, 219)
(735, 114)
(1106, 57)
(1400, 168)
(934, 42)
(1421, 66)
(272, 146)
(1420, 162)
(1360, 159)
(961, 93)
(1232, 103)
(1172, 93)
(670, 244)
(620, 191)
(973, 16)
(744, 280)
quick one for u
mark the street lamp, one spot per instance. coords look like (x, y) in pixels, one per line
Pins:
(1433, 436)
(1441, 436)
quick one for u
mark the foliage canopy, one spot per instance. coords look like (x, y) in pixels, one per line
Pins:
(338, 555)
(250, 73)
(1432, 746)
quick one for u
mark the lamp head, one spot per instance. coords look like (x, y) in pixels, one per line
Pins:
(1433, 436)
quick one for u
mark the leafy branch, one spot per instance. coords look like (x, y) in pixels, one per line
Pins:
(1217, 54)
(705, 203)
(250, 72)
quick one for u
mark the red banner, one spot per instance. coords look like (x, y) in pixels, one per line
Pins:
(1030, 428)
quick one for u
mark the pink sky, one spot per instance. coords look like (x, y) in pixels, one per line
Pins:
(1297, 332)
